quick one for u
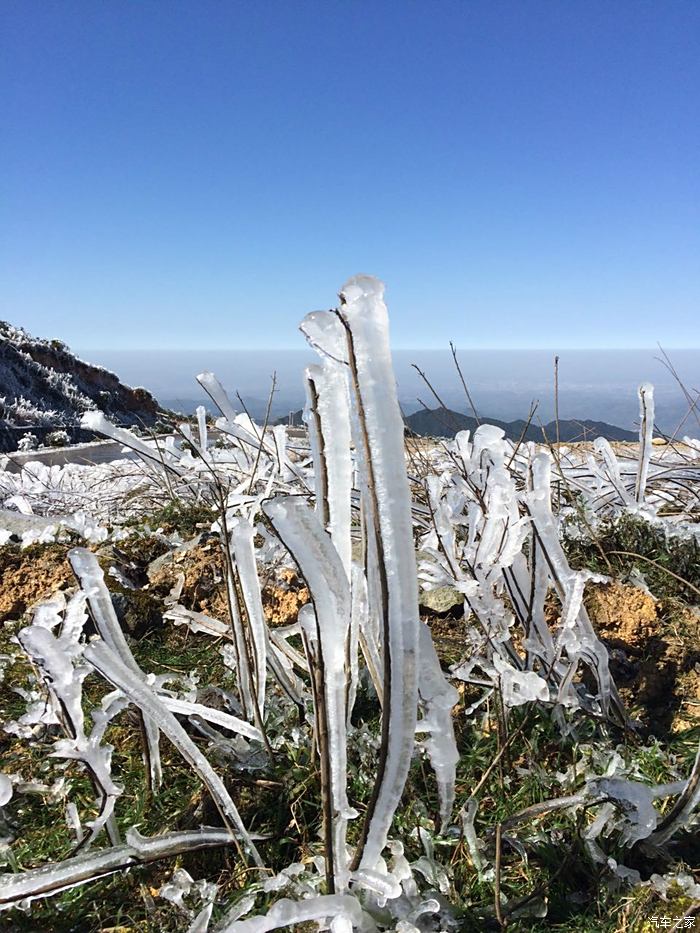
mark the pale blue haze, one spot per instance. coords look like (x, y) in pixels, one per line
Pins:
(201, 174)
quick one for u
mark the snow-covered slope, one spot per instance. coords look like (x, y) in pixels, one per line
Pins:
(44, 387)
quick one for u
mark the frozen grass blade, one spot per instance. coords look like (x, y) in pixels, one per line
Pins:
(112, 669)
(319, 562)
(89, 573)
(241, 537)
(380, 438)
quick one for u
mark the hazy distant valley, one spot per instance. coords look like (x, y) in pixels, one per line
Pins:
(597, 385)
(44, 386)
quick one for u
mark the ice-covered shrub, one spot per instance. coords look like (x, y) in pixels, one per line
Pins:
(28, 442)
(485, 517)
(58, 439)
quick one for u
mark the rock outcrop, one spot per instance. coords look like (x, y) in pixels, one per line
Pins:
(45, 388)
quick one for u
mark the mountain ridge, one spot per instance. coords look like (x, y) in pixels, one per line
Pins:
(445, 422)
(44, 388)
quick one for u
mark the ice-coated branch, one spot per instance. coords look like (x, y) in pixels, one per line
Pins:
(96, 421)
(311, 546)
(576, 636)
(91, 578)
(233, 723)
(108, 664)
(54, 878)
(680, 815)
(59, 660)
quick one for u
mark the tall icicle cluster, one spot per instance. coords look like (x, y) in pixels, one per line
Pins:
(496, 541)
(351, 399)
(354, 548)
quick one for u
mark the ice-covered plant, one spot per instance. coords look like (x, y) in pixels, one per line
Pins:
(485, 518)
(27, 442)
(58, 438)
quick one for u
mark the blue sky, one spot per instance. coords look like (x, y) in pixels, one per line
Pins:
(201, 174)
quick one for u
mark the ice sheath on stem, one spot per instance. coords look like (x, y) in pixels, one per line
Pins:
(319, 562)
(89, 573)
(646, 433)
(357, 335)
(89, 866)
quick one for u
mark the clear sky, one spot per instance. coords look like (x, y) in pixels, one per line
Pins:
(202, 174)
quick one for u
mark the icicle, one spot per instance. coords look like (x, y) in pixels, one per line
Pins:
(197, 621)
(519, 687)
(5, 789)
(646, 432)
(202, 427)
(217, 394)
(110, 666)
(312, 548)
(89, 573)
(639, 818)
(287, 913)
(438, 698)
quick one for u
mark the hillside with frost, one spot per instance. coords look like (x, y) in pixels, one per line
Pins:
(232, 702)
(44, 387)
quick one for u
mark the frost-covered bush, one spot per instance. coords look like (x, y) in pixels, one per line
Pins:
(484, 517)
(58, 439)
(22, 411)
(27, 442)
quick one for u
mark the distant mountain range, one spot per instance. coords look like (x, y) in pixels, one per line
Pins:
(443, 422)
(45, 388)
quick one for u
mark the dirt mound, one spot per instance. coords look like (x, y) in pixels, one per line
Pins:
(625, 615)
(29, 575)
(654, 653)
(283, 598)
(203, 568)
(204, 588)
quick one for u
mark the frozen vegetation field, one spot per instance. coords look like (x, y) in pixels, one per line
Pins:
(351, 681)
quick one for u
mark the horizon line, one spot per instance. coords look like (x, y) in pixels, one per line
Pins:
(559, 349)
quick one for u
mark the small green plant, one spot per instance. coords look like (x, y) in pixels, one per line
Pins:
(669, 561)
